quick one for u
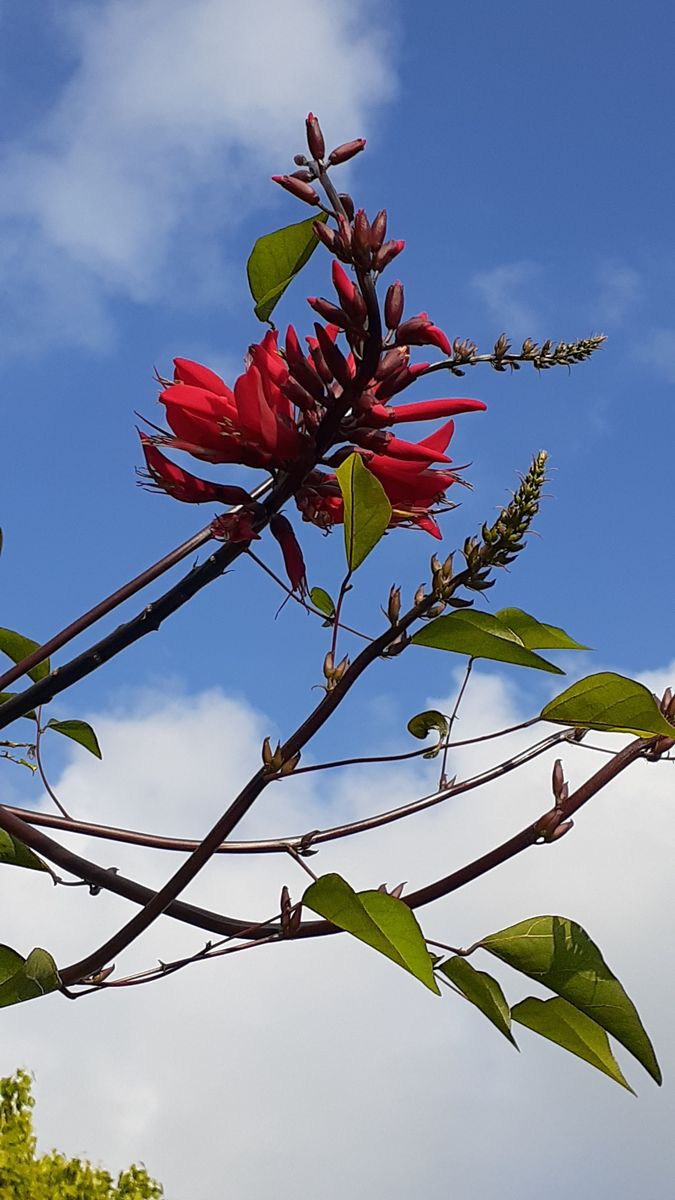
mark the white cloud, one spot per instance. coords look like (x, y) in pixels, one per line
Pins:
(506, 290)
(657, 351)
(172, 119)
(319, 1065)
(619, 294)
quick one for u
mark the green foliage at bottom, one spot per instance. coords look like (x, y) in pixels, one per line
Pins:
(23, 1176)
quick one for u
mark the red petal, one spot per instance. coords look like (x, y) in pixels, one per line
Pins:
(194, 373)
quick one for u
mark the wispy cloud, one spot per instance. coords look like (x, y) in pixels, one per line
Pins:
(657, 351)
(620, 292)
(506, 291)
(170, 117)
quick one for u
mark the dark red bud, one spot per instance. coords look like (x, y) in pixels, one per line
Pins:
(326, 235)
(320, 364)
(393, 305)
(371, 439)
(299, 396)
(411, 328)
(329, 312)
(349, 295)
(293, 348)
(282, 530)
(300, 160)
(378, 229)
(297, 187)
(317, 146)
(347, 204)
(361, 237)
(346, 151)
(334, 357)
(391, 362)
(306, 375)
(387, 253)
(305, 175)
(395, 383)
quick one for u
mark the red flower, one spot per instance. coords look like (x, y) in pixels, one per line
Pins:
(180, 484)
(252, 425)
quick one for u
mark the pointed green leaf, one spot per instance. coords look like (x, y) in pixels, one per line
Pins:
(322, 601)
(35, 976)
(534, 634)
(18, 647)
(480, 635)
(367, 509)
(610, 703)
(276, 259)
(10, 963)
(565, 1025)
(29, 716)
(17, 855)
(559, 954)
(379, 920)
(483, 991)
(422, 724)
(80, 732)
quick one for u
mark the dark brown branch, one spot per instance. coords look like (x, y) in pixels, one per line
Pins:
(293, 842)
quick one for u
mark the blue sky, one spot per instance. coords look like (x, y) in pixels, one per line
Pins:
(525, 157)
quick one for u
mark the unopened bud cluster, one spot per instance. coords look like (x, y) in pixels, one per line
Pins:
(502, 541)
(274, 762)
(332, 673)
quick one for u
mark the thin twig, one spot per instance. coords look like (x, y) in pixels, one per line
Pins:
(442, 779)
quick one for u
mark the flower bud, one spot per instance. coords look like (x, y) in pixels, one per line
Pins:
(347, 150)
(293, 348)
(393, 305)
(329, 312)
(347, 204)
(394, 604)
(317, 146)
(299, 396)
(378, 229)
(335, 359)
(303, 174)
(300, 160)
(320, 365)
(349, 295)
(326, 235)
(361, 237)
(298, 187)
(307, 376)
(386, 254)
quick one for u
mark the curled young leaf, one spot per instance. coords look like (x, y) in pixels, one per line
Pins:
(421, 725)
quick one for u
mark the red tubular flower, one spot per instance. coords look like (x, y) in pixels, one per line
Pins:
(282, 530)
(180, 484)
(253, 425)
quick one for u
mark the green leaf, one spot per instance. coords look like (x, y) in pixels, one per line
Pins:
(26, 979)
(379, 920)
(565, 1025)
(276, 259)
(610, 703)
(480, 635)
(322, 601)
(18, 647)
(30, 716)
(422, 724)
(17, 855)
(367, 509)
(559, 954)
(536, 636)
(80, 732)
(483, 991)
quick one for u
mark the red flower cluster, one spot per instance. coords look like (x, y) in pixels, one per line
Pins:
(269, 418)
